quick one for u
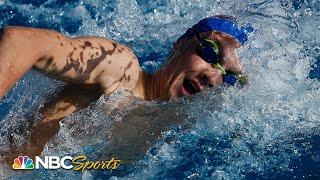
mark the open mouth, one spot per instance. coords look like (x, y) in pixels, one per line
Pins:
(190, 86)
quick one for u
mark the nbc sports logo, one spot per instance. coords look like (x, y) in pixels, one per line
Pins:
(22, 162)
(78, 163)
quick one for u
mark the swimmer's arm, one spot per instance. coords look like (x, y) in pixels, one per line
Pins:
(84, 60)
(70, 99)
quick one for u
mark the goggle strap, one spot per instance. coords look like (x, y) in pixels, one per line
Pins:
(221, 69)
(214, 46)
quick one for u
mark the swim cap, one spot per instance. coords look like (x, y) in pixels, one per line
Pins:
(225, 25)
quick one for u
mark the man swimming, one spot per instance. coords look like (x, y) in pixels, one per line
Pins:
(203, 57)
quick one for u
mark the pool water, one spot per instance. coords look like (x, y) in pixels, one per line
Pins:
(269, 129)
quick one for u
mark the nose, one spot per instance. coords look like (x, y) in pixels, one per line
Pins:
(211, 78)
(215, 75)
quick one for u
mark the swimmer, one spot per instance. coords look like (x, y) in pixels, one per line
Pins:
(204, 56)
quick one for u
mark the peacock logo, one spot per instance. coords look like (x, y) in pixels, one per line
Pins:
(23, 162)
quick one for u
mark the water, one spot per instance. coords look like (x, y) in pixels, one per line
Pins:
(269, 129)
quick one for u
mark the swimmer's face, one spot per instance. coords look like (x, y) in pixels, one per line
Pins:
(190, 74)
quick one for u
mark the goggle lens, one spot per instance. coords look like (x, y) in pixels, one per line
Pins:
(232, 79)
(209, 51)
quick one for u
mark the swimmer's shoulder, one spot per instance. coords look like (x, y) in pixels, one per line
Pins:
(86, 60)
(119, 70)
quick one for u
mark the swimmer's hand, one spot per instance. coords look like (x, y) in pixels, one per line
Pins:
(81, 61)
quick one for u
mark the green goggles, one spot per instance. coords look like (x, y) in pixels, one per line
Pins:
(230, 77)
(209, 51)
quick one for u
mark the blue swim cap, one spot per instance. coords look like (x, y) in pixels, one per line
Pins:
(225, 25)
